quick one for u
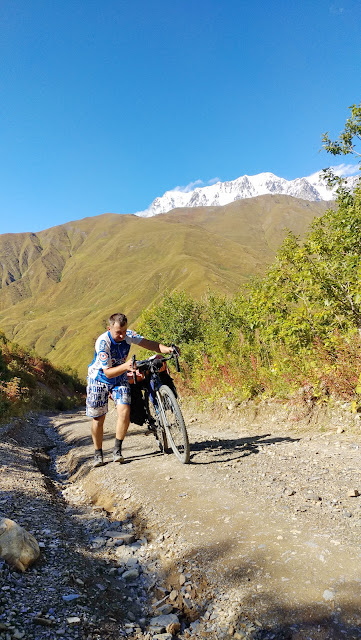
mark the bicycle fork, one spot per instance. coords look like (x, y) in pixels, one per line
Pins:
(160, 409)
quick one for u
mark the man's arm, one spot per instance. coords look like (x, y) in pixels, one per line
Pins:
(152, 345)
(113, 372)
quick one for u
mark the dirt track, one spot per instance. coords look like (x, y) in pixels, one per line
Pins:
(261, 518)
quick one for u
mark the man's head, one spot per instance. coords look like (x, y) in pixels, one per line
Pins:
(117, 326)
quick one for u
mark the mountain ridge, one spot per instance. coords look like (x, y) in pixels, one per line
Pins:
(310, 188)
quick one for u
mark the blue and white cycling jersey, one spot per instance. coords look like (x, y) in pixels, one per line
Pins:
(109, 353)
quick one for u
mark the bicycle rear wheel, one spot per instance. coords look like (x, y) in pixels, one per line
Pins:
(173, 423)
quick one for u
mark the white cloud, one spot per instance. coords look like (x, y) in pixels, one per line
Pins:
(197, 183)
(346, 169)
(189, 187)
(341, 170)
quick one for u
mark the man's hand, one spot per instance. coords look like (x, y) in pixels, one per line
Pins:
(118, 370)
(169, 350)
(129, 365)
(175, 350)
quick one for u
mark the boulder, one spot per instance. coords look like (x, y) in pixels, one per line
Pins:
(18, 547)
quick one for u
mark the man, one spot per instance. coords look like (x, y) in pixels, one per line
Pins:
(107, 374)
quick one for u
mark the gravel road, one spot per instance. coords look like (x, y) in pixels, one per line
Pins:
(258, 537)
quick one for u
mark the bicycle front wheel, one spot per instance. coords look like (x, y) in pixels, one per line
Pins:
(156, 425)
(173, 423)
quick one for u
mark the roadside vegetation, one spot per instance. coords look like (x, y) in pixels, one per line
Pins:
(295, 330)
(30, 383)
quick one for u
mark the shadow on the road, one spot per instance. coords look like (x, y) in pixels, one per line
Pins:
(72, 422)
(223, 450)
(278, 619)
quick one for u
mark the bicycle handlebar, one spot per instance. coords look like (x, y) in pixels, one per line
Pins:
(157, 362)
(175, 355)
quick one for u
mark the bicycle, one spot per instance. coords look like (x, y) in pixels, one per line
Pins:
(162, 412)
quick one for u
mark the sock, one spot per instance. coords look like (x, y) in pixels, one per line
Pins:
(99, 451)
(118, 444)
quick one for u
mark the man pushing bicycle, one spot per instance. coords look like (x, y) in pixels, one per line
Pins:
(107, 375)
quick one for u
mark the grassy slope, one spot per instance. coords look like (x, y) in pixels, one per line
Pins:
(28, 383)
(60, 285)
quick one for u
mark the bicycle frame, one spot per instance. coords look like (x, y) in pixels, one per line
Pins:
(154, 385)
(168, 423)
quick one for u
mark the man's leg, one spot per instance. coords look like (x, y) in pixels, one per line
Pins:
(123, 411)
(122, 398)
(97, 432)
(96, 408)
(123, 420)
(97, 435)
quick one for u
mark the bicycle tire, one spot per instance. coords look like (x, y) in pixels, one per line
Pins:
(173, 423)
(158, 430)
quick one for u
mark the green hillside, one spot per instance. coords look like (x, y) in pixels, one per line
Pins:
(29, 383)
(59, 285)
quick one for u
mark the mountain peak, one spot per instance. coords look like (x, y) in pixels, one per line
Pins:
(311, 188)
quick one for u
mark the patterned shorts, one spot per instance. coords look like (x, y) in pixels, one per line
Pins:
(97, 394)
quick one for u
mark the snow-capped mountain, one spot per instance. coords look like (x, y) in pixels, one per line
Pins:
(221, 193)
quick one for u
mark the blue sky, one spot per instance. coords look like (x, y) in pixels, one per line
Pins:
(106, 105)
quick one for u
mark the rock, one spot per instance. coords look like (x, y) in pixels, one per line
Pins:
(173, 628)
(116, 535)
(340, 430)
(165, 609)
(164, 620)
(328, 595)
(353, 493)
(18, 547)
(45, 622)
(130, 575)
(73, 620)
(127, 538)
(132, 563)
(163, 636)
